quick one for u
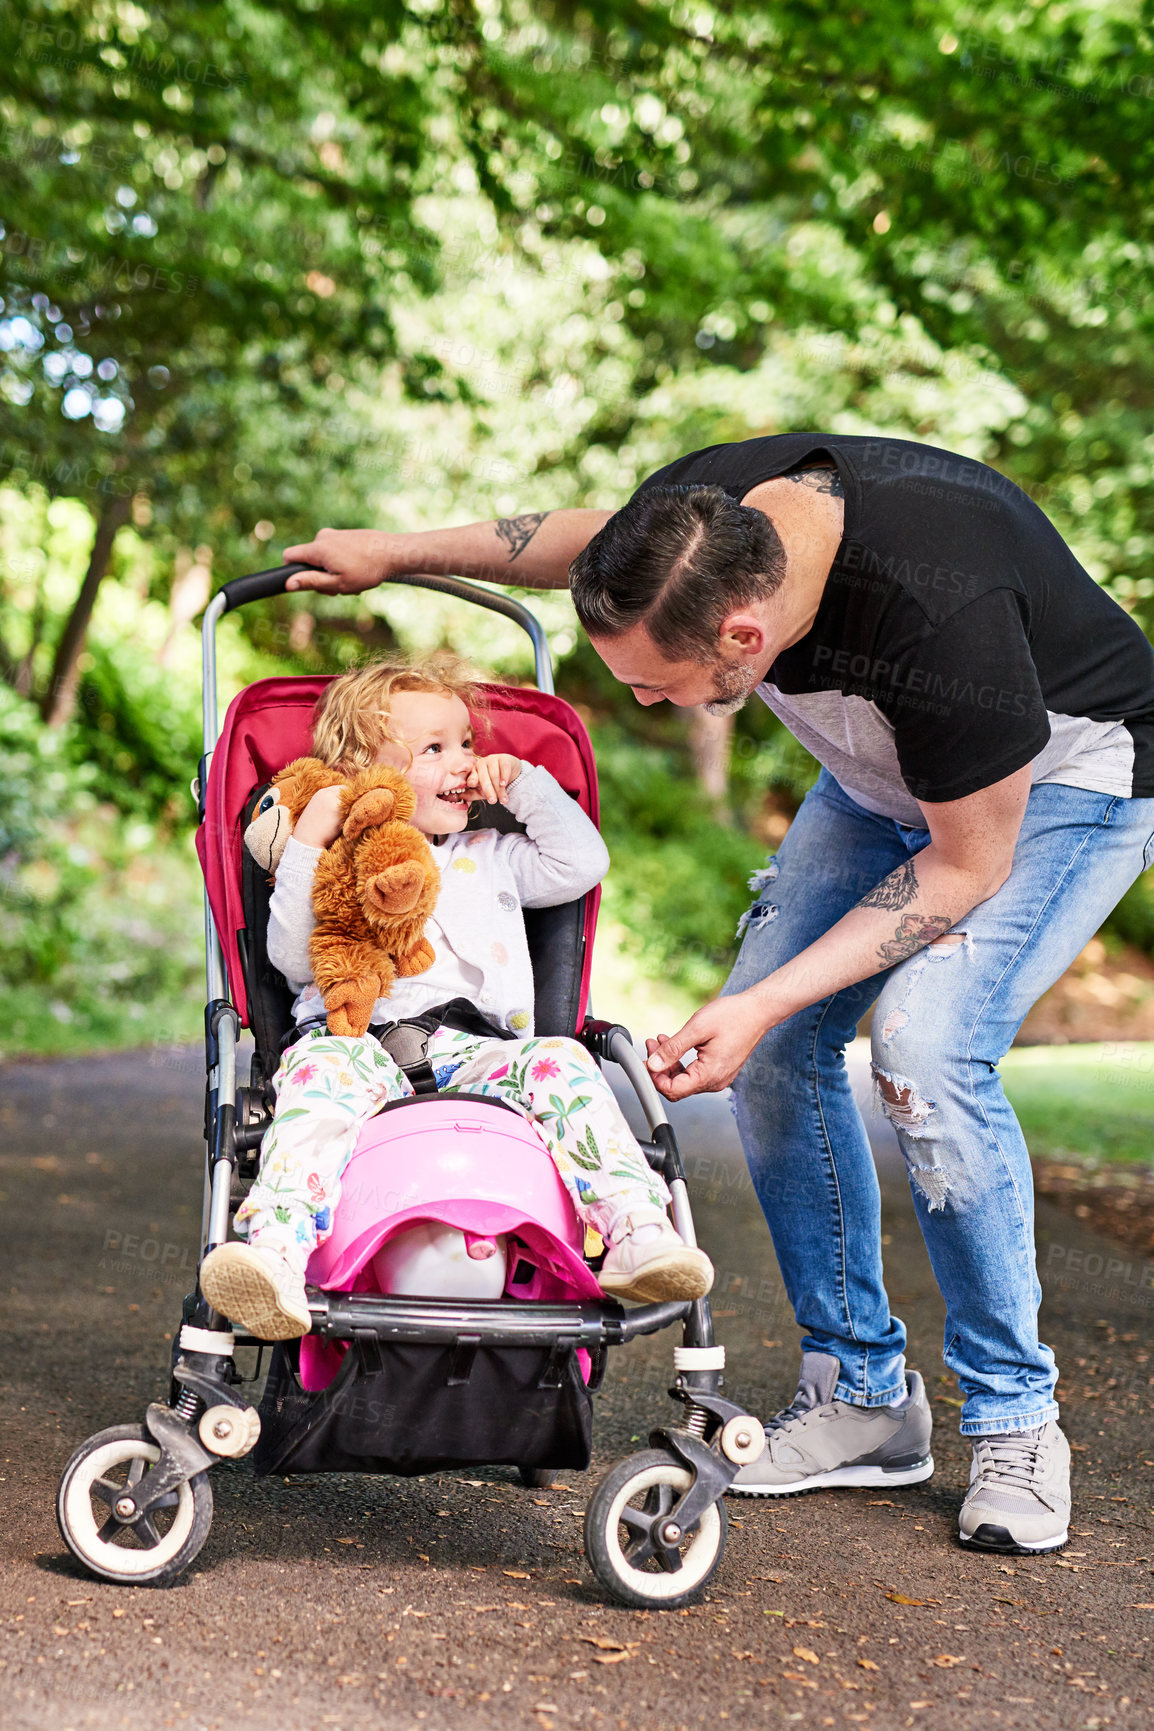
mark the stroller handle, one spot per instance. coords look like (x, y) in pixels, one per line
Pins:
(258, 586)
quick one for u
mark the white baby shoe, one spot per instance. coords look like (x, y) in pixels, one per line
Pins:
(258, 1289)
(649, 1261)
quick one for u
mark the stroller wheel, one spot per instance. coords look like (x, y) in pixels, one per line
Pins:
(150, 1552)
(627, 1541)
(536, 1478)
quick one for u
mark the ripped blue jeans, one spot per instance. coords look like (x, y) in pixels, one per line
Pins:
(942, 1022)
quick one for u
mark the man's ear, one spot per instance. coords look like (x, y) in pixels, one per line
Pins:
(741, 632)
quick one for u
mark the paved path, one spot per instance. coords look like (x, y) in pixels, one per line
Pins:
(463, 1601)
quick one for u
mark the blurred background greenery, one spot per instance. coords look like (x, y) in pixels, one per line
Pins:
(268, 266)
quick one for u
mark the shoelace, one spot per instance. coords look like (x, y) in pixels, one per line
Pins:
(1013, 1460)
(798, 1407)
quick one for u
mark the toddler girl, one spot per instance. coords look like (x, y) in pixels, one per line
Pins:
(416, 718)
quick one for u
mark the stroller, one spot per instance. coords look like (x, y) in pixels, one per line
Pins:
(409, 1366)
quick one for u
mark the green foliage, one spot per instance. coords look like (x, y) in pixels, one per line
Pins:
(1133, 919)
(409, 264)
(137, 736)
(679, 880)
(101, 928)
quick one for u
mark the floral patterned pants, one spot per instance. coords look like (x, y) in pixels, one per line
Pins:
(329, 1086)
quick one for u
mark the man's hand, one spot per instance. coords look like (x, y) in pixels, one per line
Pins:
(724, 1032)
(345, 561)
(494, 776)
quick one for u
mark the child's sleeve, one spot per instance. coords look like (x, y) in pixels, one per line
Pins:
(562, 855)
(290, 912)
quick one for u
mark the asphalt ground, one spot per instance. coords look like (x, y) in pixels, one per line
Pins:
(463, 1600)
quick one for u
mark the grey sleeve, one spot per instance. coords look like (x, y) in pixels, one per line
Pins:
(290, 912)
(562, 855)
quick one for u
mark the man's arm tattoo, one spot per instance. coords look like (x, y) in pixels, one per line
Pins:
(914, 932)
(895, 892)
(519, 531)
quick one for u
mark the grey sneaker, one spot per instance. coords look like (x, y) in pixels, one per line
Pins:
(818, 1441)
(1019, 1495)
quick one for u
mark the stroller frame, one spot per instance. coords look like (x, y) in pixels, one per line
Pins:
(658, 1554)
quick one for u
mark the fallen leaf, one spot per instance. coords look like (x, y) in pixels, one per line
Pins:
(901, 1599)
(422, 1556)
(604, 1641)
(880, 1503)
(119, 1612)
(948, 1660)
(609, 1658)
(1142, 1607)
(808, 1654)
(868, 1665)
(773, 1613)
(919, 1703)
(517, 1574)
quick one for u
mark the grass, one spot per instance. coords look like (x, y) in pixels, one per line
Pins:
(39, 1024)
(1084, 1103)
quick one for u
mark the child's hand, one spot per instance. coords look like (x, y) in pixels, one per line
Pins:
(494, 775)
(320, 821)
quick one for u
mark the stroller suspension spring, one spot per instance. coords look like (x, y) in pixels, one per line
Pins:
(187, 1406)
(695, 1421)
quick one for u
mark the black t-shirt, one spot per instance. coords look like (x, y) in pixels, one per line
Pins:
(957, 638)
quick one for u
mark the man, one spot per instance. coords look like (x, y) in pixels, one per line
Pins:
(985, 717)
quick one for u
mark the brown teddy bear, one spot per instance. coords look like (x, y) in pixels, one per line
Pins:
(375, 885)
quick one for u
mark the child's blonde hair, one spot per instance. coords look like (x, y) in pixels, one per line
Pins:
(351, 719)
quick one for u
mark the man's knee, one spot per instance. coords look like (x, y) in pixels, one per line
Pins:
(910, 1016)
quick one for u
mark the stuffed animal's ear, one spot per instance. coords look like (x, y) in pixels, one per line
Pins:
(374, 796)
(377, 805)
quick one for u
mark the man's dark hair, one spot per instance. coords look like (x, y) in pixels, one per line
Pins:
(676, 560)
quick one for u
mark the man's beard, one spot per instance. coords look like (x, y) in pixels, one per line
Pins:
(734, 685)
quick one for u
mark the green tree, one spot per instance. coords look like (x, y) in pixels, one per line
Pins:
(927, 219)
(194, 274)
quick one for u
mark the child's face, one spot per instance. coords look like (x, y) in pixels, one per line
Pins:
(435, 727)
